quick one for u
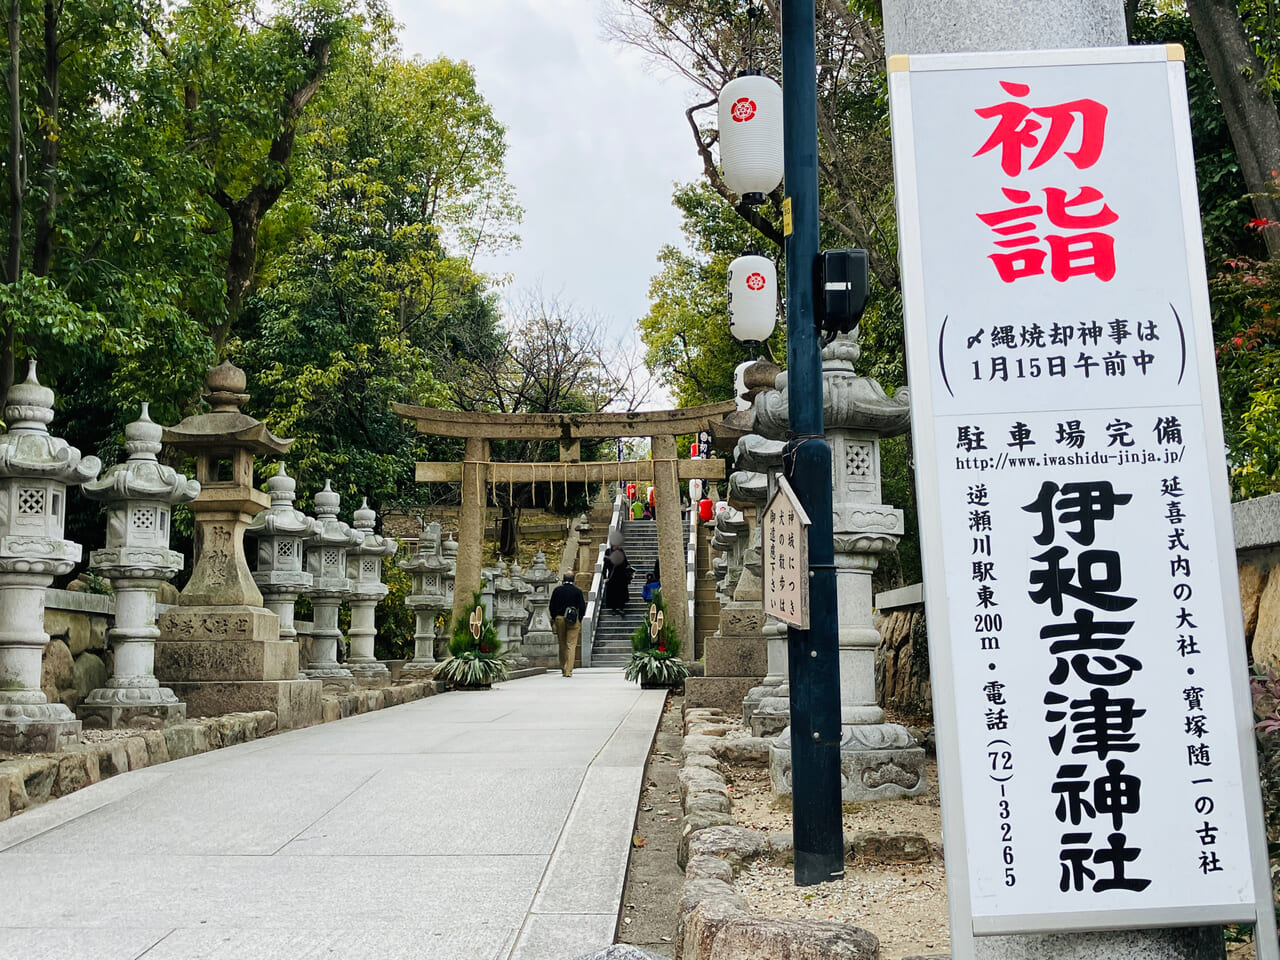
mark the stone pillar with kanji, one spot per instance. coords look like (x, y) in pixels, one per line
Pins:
(220, 649)
(36, 469)
(139, 495)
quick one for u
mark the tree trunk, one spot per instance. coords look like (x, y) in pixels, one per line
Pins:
(42, 253)
(17, 188)
(1251, 112)
(242, 259)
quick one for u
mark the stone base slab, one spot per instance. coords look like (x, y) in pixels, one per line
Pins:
(737, 656)
(864, 774)
(146, 716)
(296, 703)
(723, 692)
(183, 624)
(38, 736)
(225, 660)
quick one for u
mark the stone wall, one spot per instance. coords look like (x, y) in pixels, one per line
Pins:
(902, 660)
(77, 658)
(1257, 533)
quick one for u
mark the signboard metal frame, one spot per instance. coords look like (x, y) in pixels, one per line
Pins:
(964, 927)
(786, 495)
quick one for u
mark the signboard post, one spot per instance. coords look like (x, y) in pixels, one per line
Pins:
(786, 558)
(1089, 669)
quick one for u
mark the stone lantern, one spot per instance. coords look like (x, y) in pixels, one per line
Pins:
(35, 471)
(508, 609)
(220, 648)
(878, 759)
(282, 532)
(327, 564)
(139, 495)
(427, 601)
(365, 562)
(519, 622)
(540, 642)
(449, 550)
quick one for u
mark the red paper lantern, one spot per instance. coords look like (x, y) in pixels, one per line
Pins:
(631, 491)
(704, 510)
(693, 451)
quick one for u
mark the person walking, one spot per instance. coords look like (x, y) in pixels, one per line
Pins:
(568, 607)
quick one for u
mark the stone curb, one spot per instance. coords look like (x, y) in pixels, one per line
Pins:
(713, 920)
(34, 779)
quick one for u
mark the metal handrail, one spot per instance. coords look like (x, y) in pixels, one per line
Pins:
(597, 582)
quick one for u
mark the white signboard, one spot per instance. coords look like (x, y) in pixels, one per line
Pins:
(1084, 621)
(785, 541)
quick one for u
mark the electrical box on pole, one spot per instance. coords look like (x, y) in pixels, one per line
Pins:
(844, 277)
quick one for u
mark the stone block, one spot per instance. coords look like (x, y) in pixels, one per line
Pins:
(758, 938)
(741, 620)
(150, 716)
(76, 769)
(1266, 634)
(725, 693)
(1253, 577)
(225, 660)
(136, 752)
(331, 710)
(186, 624)
(71, 627)
(113, 759)
(186, 740)
(864, 774)
(13, 788)
(157, 746)
(296, 703)
(39, 736)
(57, 670)
(88, 674)
(4, 800)
(737, 656)
(890, 847)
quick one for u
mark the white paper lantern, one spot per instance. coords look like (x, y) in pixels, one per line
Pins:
(740, 385)
(695, 491)
(753, 297)
(751, 135)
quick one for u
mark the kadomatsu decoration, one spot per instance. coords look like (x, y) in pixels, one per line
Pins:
(655, 650)
(474, 660)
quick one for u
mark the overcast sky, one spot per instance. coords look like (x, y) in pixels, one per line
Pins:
(595, 140)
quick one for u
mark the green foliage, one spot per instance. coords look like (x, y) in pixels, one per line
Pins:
(473, 661)
(655, 658)
(396, 623)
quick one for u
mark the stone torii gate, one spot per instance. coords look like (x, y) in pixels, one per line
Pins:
(476, 472)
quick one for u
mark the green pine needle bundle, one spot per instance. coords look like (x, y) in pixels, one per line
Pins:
(656, 659)
(473, 661)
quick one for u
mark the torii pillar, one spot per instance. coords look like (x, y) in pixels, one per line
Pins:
(671, 553)
(475, 463)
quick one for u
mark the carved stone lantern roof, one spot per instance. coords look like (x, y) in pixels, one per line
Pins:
(282, 518)
(758, 453)
(369, 553)
(747, 485)
(27, 450)
(849, 402)
(224, 427)
(142, 477)
(327, 550)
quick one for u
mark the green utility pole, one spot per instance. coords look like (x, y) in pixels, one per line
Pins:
(814, 654)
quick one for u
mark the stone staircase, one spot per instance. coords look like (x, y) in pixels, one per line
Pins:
(612, 645)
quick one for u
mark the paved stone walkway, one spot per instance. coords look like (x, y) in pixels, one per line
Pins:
(492, 826)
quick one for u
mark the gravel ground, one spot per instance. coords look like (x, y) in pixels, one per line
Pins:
(904, 904)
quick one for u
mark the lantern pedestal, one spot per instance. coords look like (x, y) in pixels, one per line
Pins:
(35, 471)
(220, 649)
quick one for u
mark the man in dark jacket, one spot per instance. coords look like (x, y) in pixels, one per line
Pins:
(568, 626)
